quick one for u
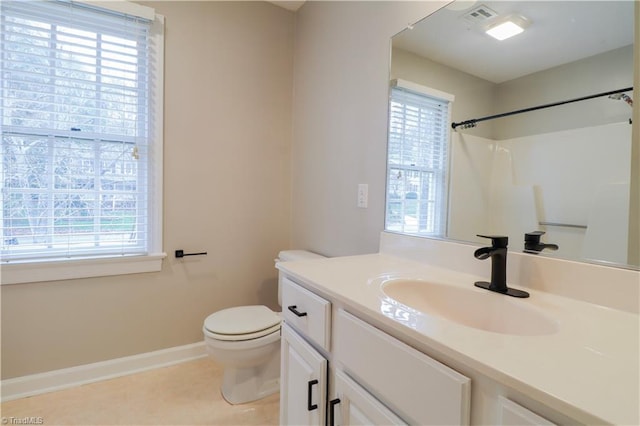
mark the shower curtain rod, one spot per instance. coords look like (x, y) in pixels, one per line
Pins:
(472, 123)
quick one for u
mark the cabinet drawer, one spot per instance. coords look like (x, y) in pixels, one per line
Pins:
(415, 386)
(307, 312)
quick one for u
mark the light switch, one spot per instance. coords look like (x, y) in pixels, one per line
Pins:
(363, 195)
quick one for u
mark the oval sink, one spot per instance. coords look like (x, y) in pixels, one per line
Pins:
(471, 307)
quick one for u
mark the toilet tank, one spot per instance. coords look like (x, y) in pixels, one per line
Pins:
(293, 255)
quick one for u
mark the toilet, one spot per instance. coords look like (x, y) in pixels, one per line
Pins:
(245, 340)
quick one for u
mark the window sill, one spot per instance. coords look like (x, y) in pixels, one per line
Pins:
(29, 272)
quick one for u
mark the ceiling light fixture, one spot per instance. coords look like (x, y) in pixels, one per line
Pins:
(510, 27)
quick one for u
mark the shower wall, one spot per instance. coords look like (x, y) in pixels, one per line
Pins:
(576, 177)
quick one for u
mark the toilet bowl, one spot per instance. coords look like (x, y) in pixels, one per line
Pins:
(245, 340)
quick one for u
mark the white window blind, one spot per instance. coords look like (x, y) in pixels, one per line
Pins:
(77, 149)
(417, 163)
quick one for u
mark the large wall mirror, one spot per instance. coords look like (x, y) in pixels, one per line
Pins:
(561, 171)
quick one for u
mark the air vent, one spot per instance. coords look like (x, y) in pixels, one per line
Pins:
(480, 14)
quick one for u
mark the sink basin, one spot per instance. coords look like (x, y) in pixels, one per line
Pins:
(471, 307)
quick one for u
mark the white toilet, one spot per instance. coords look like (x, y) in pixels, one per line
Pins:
(245, 340)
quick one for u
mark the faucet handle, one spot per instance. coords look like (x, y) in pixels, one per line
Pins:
(533, 236)
(497, 241)
(533, 245)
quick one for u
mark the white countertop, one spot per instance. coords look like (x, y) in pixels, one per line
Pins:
(588, 369)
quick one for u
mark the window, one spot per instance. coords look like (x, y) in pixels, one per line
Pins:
(417, 160)
(81, 131)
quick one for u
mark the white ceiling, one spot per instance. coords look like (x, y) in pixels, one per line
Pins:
(560, 32)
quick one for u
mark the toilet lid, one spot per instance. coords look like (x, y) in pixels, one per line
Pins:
(242, 320)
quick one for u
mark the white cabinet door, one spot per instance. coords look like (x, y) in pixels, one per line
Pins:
(355, 406)
(516, 415)
(303, 381)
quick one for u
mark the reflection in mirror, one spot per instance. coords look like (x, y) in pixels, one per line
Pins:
(562, 173)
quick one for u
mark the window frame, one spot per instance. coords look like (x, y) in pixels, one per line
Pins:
(39, 270)
(434, 95)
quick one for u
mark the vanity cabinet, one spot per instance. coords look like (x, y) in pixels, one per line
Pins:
(374, 378)
(390, 363)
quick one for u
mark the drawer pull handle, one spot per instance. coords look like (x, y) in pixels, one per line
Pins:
(293, 309)
(310, 406)
(332, 408)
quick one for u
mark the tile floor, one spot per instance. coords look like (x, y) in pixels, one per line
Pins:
(182, 394)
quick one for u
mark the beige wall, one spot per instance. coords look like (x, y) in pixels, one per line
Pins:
(341, 78)
(227, 190)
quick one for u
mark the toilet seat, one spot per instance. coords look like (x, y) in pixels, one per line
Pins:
(242, 323)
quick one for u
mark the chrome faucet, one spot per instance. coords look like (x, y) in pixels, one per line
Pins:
(498, 254)
(533, 245)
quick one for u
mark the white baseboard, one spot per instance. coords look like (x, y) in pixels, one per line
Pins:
(50, 381)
